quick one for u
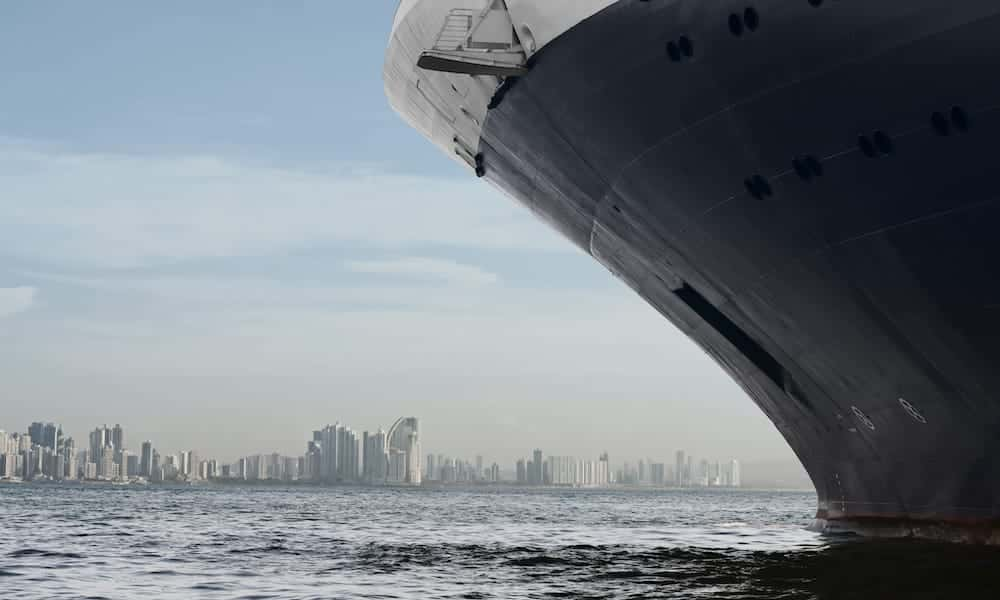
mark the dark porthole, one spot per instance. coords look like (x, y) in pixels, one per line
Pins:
(735, 25)
(686, 46)
(939, 123)
(617, 210)
(762, 185)
(801, 169)
(815, 167)
(960, 118)
(751, 188)
(815, 3)
(673, 51)
(883, 142)
(866, 146)
(751, 18)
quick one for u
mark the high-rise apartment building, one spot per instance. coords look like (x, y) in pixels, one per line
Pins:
(679, 480)
(431, 472)
(118, 437)
(338, 446)
(536, 475)
(106, 465)
(131, 465)
(35, 433)
(312, 461)
(375, 460)
(658, 474)
(184, 464)
(146, 459)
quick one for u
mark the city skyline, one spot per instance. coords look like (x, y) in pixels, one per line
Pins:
(336, 454)
(483, 437)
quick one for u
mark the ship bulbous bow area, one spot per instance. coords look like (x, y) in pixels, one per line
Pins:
(809, 190)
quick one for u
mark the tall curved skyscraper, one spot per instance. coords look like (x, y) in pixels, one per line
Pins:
(404, 451)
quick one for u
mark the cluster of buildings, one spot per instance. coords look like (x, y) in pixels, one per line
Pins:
(336, 454)
(41, 452)
(444, 469)
(685, 472)
(574, 472)
(44, 453)
(564, 471)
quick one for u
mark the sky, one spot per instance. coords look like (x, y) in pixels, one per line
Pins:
(215, 231)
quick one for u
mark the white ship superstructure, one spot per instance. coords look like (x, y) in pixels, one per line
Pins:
(486, 40)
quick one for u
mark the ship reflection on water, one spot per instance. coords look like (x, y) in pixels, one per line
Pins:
(859, 568)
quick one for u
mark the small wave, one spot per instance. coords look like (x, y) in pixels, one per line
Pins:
(535, 561)
(626, 574)
(4, 573)
(25, 552)
(208, 587)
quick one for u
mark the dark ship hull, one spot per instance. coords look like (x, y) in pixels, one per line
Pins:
(807, 189)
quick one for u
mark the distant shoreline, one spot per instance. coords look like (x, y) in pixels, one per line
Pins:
(507, 486)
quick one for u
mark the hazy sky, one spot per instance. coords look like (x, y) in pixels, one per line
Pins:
(214, 231)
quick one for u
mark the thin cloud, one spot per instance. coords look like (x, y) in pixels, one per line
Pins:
(15, 300)
(425, 268)
(114, 211)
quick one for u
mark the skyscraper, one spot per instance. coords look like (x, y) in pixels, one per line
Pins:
(146, 459)
(347, 454)
(35, 433)
(106, 465)
(184, 464)
(71, 469)
(118, 438)
(375, 461)
(679, 469)
(657, 474)
(535, 478)
(104, 437)
(131, 465)
(338, 453)
(403, 441)
(734, 469)
(431, 472)
(312, 460)
(97, 442)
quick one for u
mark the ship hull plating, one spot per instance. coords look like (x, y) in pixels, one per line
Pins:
(811, 195)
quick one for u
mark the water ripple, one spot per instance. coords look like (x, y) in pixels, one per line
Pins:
(426, 544)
